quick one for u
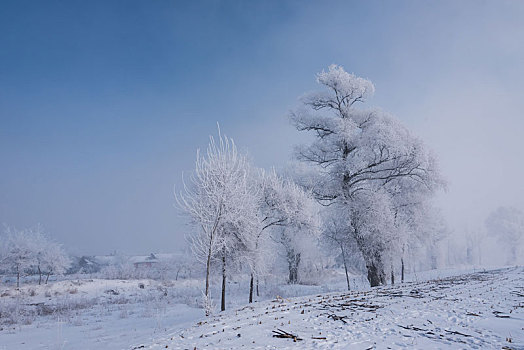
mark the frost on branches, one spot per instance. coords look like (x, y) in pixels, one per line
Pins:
(238, 212)
(221, 202)
(29, 251)
(291, 214)
(363, 158)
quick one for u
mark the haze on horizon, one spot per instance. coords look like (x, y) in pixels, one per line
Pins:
(104, 104)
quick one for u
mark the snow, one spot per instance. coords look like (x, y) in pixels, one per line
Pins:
(439, 309)
(98, 329)
(483, 310)
(94, 313)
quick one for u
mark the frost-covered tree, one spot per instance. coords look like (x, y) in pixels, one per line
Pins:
(336, 233)
(419, 224)
(507, 224)
(51, 259)
(267, 217)
(18, 253)
(359, 154)
(30, 250)
(293, 216)
(285, 214)
(243, 248)
(220, 202)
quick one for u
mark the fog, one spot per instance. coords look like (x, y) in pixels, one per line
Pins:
(102, 108)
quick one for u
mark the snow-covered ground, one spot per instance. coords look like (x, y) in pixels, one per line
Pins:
(137, 314)
(94, 313)
(483, 310)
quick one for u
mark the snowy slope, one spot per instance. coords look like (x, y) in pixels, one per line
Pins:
(482, 310)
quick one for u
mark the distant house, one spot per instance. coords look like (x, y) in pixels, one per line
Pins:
(148, 261)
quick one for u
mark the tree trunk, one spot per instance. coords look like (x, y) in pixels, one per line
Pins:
(392, 275)
(293, 261)
(373, 277)
(375, 268)
(376, 275)
(402, 270)
(17, 277)
(208, 266)
(258, 294)
(345, 267)
(223, 301)
(47, 277)
(251, 289)
(39, 276)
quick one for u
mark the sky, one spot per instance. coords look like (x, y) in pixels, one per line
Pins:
(103, 104)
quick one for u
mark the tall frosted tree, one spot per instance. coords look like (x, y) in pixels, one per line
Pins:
(359, 154)
(221, 203)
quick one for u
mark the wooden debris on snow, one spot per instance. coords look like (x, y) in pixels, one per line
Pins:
(279, 333)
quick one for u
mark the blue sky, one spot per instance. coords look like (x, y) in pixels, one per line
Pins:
(104, 103)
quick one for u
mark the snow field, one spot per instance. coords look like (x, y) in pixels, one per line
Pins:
(483, 310)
